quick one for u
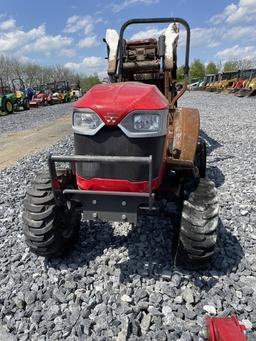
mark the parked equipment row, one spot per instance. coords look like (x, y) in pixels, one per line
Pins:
(17, 96)
(241, 83)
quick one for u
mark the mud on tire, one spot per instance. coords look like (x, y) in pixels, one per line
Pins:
(198, 226)
(49, 230)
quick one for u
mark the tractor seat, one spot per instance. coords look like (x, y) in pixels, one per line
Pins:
(141, 50)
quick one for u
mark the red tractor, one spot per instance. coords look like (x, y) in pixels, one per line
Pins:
(136, 153)
(41, 97)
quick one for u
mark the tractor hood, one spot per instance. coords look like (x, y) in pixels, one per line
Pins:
(116, 100)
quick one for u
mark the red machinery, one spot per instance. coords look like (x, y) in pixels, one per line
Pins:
(225, 329)
(41, 97)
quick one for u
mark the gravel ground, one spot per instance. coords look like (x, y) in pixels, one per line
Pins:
(32, 118)
(119, 282)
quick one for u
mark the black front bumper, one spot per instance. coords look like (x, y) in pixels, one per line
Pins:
(104, 205)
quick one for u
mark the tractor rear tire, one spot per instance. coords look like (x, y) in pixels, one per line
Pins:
(49, 230)
(26, 105)
(198, 226)
(7, 106)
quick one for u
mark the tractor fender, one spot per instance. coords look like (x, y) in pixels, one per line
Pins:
(186, 125)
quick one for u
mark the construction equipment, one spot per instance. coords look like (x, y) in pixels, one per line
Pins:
(244, 76)
(7, 98)
(249, 87)
(212, 85)
(227, 80)
(195, 84)
(21, 98)
(229, 83)
(136, 153)
(208, 79)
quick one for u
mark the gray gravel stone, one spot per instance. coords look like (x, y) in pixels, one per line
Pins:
(188, 295)
(33, 117)
(80, 296)
(126, 298)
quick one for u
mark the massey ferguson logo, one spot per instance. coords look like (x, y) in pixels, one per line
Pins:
(111, 118)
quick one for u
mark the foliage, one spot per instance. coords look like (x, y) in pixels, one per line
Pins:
(34, 74)
(180, 74)
(88, 81)
(211, 68)
(231, 65)
(197, 69)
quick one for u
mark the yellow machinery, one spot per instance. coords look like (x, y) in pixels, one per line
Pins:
(227, 80)
(249, 87)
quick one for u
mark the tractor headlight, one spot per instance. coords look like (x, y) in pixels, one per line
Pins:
(86, 122)
(145, 123)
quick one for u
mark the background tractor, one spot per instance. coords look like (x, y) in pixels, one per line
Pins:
(53, 94)
(63, 89)
(7, 98)
(60, 92)
(21, 98)
(136, 153)
(75, 91)
(41, 96)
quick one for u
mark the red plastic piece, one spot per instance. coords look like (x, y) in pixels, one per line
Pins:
(117, 99)
(118, 185)
(55, 183)
(225, 329)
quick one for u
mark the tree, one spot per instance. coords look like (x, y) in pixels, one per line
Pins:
(197, 69)
(231, 65)
(211, 68)
(180, 73)
(87, 82)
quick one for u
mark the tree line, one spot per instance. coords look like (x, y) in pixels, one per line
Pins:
(34, 75)
(198, 69)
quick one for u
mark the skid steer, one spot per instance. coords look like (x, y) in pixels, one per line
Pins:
(228, 81)
(249, 88)
(136, 153)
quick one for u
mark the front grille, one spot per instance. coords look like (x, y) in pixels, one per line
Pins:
(112, 141)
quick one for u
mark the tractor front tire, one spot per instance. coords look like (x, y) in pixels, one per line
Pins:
(26, 105)
(198, 226)
(7, 106)
(49, 230)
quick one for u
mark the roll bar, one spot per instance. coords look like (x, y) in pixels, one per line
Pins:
(151, 21)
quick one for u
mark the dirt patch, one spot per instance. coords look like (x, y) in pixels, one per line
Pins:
(19, 144)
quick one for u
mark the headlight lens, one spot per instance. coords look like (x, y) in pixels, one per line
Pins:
(86, 122)
(145, 123)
